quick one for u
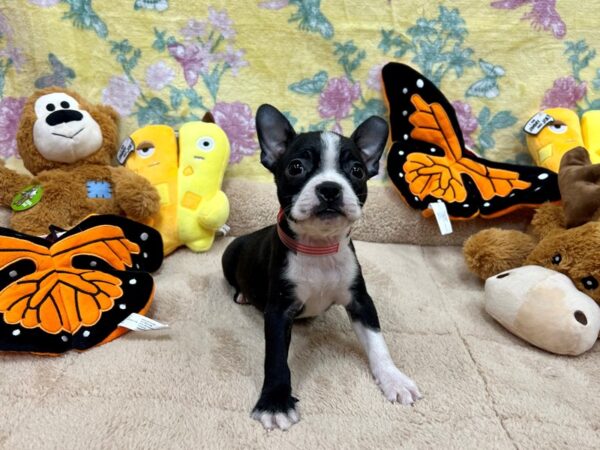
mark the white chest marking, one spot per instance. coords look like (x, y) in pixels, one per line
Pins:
(322, 281)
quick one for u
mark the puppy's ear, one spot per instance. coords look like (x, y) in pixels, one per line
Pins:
(370, 137)
(274, 134)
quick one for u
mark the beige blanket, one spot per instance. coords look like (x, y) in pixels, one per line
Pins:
(193, 385)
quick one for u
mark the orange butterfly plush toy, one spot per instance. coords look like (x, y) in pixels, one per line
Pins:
(73, 291)
(428, 161)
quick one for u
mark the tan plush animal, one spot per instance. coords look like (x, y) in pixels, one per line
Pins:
(551, 243)
(68, 145)
(531, 303)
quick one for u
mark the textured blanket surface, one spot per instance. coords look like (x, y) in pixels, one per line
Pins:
(193, 385)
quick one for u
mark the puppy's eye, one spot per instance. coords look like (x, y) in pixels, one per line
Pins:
(50, 107)
(64, 104)
(556, 259)
(589, 283)
(357, 172)
(295, 169)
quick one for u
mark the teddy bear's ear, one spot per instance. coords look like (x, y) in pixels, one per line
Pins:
(579, 183)
(109, 111)
(548, 219)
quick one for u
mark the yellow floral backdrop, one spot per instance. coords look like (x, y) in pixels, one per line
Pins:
(319, 61)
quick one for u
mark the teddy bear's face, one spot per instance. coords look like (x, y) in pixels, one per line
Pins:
(574, 252)
(63, 131)
(59, 128)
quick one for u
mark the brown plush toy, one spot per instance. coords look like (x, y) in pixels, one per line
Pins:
(563, 238)
(69, 146)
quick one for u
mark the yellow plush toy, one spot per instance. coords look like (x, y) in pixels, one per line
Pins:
(187, 177)
(553, 132)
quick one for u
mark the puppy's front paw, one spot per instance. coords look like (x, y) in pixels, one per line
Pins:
(396, 386)
(276, 411)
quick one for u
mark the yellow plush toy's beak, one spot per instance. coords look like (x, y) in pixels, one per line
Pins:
(554, 140)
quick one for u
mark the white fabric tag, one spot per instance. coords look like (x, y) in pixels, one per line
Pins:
(537, 123)
(441, 215)
(137, 322)
(124, 150)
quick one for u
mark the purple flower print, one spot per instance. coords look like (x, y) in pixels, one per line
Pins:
(237, 122)
(121, 94)
(274, 4)
(10, 52)
(194, 29)
(222, 23)
(10, 114)
(543, 15)
(466, 120)
(234, 59)
(374, 77)
(336, 99)
(159, 75)
(194, 60)
(565, 92)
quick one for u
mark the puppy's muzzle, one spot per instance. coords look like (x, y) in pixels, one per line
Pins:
(330, 198)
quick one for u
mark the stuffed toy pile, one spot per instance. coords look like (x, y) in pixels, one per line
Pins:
(187, 169)
(563, 240)
(68, 146)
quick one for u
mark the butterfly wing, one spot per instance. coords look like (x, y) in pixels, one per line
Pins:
(75, 292)
(428, 161)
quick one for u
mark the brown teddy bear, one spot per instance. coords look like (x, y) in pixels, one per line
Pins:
(565, 239)
(69, 146)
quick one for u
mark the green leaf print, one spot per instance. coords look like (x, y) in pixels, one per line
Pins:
(488, 125)
(155, 111)
(310, 18)
(579, 56)
(83, 16)
(372, 107)
(437, 44)
(350, 56)
(127, 55)
(310, 86)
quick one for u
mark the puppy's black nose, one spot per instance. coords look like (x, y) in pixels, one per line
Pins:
(63, 116)
(329, 191)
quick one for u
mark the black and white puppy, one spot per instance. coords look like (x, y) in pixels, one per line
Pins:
(306, 263)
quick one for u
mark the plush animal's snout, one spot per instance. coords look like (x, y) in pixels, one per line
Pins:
(63, 116)
(329, 191)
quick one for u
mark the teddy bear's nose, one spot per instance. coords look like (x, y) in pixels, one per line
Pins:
(580, 317)
(63, 116)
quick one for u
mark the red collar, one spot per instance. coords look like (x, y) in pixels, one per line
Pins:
(296, 247)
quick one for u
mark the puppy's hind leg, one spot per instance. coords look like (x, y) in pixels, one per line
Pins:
(230, 261)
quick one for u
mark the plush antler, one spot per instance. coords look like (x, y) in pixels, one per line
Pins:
(579, 184)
